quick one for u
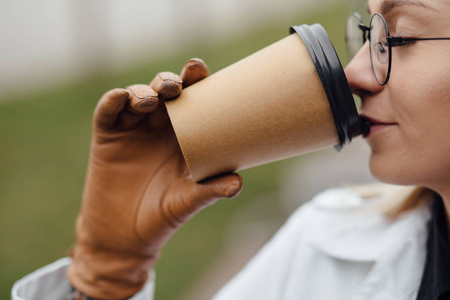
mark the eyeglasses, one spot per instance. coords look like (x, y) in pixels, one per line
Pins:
(380, 41)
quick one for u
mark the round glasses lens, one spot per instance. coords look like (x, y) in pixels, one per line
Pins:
(354, 35)
(379, 48)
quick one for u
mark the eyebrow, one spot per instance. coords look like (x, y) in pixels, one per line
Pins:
(388, 5)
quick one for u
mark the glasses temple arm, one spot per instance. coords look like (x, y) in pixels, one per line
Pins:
(395, 41)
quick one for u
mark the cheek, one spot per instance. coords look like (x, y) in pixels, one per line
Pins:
(422, 97)
(418, 152)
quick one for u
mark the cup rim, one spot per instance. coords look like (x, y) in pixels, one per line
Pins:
(331, 74)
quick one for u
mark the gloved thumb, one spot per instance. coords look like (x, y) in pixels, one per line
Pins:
(208, 191)
(197, 195)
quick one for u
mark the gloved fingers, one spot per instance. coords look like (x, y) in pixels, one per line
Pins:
(142, 100)
(109, 107)
(168, 85)
(194, 70)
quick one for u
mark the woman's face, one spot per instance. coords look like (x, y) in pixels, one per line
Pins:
(410, 138)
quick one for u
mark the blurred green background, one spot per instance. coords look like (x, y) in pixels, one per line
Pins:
(45, 138)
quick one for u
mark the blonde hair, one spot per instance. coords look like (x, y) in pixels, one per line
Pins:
(395, 200)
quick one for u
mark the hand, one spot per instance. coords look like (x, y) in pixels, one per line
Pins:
(138, 190)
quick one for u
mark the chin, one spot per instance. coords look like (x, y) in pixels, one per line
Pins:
(392, 172)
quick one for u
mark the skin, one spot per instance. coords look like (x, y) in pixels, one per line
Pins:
(412, 145)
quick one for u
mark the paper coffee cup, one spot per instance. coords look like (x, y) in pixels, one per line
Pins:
(287, 99)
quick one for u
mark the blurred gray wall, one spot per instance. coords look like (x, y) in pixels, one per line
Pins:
(47, 42)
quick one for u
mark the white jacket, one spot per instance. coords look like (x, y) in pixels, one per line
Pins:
(337, 246)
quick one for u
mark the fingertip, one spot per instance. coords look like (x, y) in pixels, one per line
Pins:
(110, 105)
(226, 186)
(235, 187)
(114, 97)
(143, 98)
(193, 71)
(167, 84)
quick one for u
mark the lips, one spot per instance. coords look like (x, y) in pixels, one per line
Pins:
(374, 124)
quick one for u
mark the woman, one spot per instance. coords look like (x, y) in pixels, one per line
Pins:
(339, 246)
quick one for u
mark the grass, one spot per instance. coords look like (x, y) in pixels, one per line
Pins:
(43, 157)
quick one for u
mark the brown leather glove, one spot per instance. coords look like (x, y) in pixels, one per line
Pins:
(138, 190)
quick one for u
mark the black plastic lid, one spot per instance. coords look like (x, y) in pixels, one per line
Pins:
(329, 69)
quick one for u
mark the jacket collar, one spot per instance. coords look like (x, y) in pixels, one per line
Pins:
(396, 247)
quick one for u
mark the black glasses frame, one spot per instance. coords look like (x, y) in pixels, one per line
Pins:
(392, 41)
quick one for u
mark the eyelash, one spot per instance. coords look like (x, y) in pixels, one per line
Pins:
(400, 41)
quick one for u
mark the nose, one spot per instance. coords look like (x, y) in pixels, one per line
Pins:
(360, 75)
